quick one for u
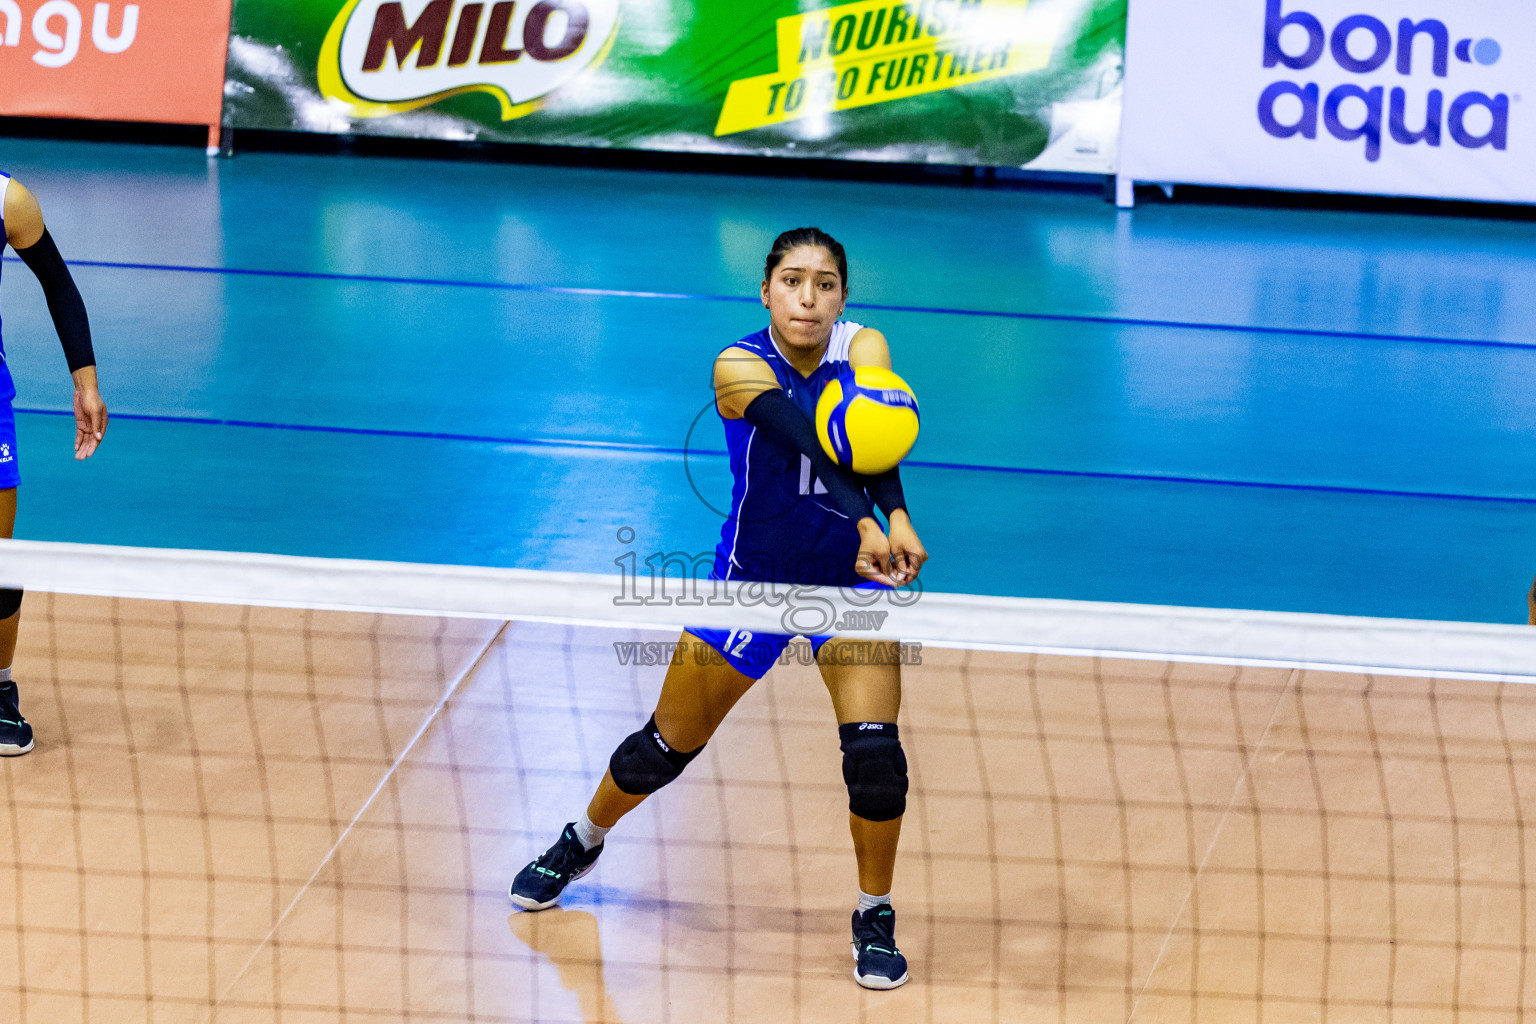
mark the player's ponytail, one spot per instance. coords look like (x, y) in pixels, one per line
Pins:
(797, 237)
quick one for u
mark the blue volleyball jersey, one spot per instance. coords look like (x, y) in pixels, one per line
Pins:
(7, 386)
(782, 528)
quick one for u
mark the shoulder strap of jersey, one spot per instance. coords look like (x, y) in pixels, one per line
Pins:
(757, 343)
(842, 338)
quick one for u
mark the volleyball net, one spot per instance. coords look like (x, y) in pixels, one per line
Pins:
(333, 799)
(653, 599)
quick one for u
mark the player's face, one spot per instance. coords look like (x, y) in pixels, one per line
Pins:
(804, 297)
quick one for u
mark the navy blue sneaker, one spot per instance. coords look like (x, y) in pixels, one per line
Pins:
(15, 733)
(879, 963)
(539, 885)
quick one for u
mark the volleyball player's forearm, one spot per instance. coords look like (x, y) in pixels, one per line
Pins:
(64, 302)
(774, 413)
(885, 489)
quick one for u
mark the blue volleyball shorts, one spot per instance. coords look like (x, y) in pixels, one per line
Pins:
(10, 475)
(753, 654)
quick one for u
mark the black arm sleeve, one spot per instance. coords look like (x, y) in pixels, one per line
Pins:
(886, 490)
(773, 412)
(64, 302)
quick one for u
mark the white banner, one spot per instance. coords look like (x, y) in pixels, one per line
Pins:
(1397, 97)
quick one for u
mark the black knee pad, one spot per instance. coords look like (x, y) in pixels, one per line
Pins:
(645, 762)
(875, 770)
(10, 603)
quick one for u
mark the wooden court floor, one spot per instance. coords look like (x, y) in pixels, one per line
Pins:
(246, 815)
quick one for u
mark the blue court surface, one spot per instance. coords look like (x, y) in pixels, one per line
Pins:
(505, 365)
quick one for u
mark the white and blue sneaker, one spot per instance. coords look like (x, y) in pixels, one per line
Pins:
(15, 733)
(878, 963)
(539, 885)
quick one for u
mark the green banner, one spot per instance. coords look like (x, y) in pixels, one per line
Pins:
(988, 82)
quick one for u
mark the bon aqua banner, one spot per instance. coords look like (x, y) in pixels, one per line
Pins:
(989, 82)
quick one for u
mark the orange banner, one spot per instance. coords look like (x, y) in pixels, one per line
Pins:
(154, 60)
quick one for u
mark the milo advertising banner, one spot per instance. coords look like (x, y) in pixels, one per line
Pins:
(1031, 83)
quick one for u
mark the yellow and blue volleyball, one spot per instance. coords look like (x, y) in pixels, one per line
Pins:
(867, 420)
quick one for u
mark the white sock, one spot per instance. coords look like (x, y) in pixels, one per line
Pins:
(590, 835)
(5, 675)
(868, 902)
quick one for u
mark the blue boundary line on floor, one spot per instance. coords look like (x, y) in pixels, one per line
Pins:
(1080, 318)
(651, 449)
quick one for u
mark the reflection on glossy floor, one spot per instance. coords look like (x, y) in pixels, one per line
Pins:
(247, 815)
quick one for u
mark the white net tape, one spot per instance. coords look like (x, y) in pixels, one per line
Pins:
(1079, 627)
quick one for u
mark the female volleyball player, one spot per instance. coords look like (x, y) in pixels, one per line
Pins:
(796, 517)
(22, 222)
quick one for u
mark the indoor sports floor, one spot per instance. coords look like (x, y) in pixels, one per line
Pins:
(435, 361)
(294, 817)
(244, 815)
